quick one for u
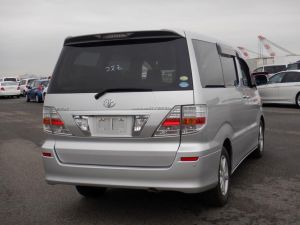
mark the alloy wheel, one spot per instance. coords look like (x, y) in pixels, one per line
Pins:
(224, 175)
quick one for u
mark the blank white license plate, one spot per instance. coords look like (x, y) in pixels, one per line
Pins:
(110, 126)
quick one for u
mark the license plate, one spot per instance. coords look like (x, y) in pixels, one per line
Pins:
(110, 126)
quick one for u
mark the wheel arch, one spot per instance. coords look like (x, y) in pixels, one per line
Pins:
(262, 119)
(227, 144)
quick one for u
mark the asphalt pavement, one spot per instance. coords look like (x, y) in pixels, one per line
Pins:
(264, 191)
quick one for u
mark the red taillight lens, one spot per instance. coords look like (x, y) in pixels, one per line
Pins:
(57, 122)
(171, 122)
(2, 89)
(52, 122)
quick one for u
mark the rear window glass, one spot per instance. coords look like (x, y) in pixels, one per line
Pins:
(10, 79)
(44, 83)
(161, 65)
(36, 83)
(274, 69)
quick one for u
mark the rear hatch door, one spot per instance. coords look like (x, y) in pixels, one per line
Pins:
(114, 85)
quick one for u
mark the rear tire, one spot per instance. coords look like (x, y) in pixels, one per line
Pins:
(90, 192)
(298, 100)
(219, 195)
(258, 153)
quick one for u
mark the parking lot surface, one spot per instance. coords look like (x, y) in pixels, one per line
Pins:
(264, 191)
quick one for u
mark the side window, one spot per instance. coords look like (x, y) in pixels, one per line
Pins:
(209, 65)
(229, 70)
(276, 78)
(291, 77)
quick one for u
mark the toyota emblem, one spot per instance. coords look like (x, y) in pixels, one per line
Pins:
(109, 103)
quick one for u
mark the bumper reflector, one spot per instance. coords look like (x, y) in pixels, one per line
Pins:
(46, 154)
(189, 159)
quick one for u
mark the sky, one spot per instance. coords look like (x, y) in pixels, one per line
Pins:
(32, 31)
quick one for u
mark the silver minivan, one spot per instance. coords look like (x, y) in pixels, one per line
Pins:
(156, 110)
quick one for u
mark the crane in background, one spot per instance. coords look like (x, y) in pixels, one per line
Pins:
(267, 44)
(245, 52)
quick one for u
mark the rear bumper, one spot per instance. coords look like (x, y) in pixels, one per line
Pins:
(11, 93)
(188, 177)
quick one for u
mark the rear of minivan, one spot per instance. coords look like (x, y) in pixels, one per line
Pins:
(120, 112)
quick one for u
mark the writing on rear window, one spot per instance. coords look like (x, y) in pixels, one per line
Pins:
(113, 68)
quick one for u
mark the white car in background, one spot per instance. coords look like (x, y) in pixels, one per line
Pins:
(24, 83)
(3, 79)
(282, 88)
(271, 69)
(9, 89)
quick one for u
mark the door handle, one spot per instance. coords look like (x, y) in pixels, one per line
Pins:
(246, 96)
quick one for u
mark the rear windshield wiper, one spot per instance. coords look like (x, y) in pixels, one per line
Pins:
(116, 90)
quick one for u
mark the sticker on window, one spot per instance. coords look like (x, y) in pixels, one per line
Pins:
(183, 84)
(183, 78)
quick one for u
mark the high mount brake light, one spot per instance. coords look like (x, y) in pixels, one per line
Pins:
(52, 122)
(183, 120)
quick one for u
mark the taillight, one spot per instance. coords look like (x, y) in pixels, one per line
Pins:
(2, 89)
(52, 122)
(183, 120)
(170, 126)
(193, 118)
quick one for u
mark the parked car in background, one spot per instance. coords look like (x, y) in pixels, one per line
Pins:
(9, 89)
(24, 83)
(8, 79)
(168, 110)
(294, 66)
(270, 69)
(282, 88)
(35, 91)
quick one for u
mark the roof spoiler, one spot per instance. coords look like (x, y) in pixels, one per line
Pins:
(134, 35)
